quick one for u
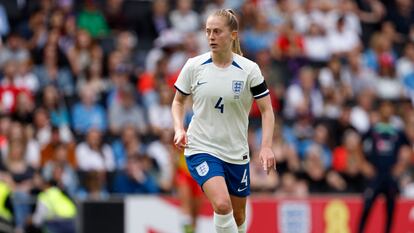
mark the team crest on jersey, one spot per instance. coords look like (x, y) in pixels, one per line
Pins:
(237, 87)
(202, 169)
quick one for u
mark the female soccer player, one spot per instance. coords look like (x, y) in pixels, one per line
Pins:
(222, 85)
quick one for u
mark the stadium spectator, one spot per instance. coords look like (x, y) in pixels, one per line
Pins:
(380, 46)
(55, 106)
(26, 78)
(129, 144)
(24, 108)
(338, 127)
(183, 18)
(291, 186)
(31, 148)
(51, 73)
(68, 35)
(349, 161)
(126, 112)
(341, 39)
(83, 52)
(405, 70)
(349, 10)
(387, 85)
(134, 179)
(48, 152)
(259, 37)
(115, 16)
(5, 123)
(9, 91)
(4, 22)
(87, 114)
(93, 154)
(318, 177)
(277, 12)
(316, 47)
(361, 77)
(119, 77)
(126, 43)
(286, 154)
(289, 46)
(335, 87)
(149, 80)
(93, 186)
(371, 14)
(96, 81)
(44, 129)
(168, 45)
(19, 175)
(320, 139)
(13, 49)
(159, 21)
(92, 20)
(60, 170)
(161, 151)
(303, 98)
(159, 115)
(360, 114)
(401, 14)
(388, 29)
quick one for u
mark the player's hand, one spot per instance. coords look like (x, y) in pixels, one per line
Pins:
(268, 159)
(180, 139)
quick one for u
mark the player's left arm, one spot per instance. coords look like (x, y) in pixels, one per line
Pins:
(267, 156)
(403, 157)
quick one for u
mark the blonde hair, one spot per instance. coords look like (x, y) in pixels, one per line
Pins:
(233, 24)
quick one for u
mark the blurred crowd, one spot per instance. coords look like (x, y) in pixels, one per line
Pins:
(86, 88)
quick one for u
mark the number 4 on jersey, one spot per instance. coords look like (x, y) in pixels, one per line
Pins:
(220, 105)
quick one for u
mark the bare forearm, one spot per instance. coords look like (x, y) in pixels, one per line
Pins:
(177, 110)
(268, 122)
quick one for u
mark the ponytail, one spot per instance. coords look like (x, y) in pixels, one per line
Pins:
(235, 46)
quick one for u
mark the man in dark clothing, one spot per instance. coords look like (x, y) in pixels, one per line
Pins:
(135, 178)
(386, 150)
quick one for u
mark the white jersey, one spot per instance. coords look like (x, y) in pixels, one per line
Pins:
(222, 98)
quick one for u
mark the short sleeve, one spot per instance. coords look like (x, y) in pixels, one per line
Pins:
(183, 83)
(258, 86)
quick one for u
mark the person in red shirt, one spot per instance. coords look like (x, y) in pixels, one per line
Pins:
(289, 44)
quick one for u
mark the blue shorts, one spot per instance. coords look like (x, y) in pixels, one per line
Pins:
(205, 166)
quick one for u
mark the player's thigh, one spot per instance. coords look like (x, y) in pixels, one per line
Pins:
(216, 191)
(239, 208)
(208, 172)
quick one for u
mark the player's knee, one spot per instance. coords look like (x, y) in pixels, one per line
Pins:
(222, 206)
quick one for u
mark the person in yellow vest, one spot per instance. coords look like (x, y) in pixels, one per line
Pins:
(55, 211)
(6, 209)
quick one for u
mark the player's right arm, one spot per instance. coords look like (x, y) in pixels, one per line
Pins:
(177, 109)
(183, 86)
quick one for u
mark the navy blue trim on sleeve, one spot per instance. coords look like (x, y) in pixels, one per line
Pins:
(182, 92)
